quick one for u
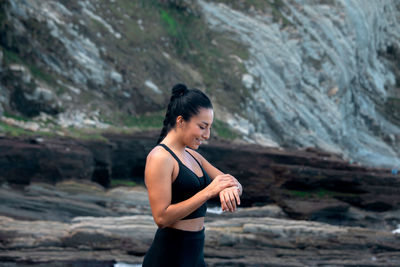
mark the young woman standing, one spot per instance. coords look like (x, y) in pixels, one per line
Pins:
(179, 181)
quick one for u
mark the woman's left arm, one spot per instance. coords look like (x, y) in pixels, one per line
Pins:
(229, 196)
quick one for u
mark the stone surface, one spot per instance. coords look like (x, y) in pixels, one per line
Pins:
(251, 241)
(325, 75)
(24, 160)
(306, 184)
(69, 199)
(318, 74)
(81, 223)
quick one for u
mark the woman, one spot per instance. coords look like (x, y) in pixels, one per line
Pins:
(179, 181)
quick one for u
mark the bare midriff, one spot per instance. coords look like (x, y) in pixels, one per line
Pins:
(195, 224)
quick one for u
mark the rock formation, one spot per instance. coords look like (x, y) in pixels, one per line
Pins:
(290, 74)
(306, 184)
(242, 241)
(298, 208)
(323, 73)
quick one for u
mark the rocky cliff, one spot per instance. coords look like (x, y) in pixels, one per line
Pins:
(293, 74)
(324, 73)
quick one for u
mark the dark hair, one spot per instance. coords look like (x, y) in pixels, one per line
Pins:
(185, 102)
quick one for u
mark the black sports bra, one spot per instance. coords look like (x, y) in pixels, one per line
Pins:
(187, 184)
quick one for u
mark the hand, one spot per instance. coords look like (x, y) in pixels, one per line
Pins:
(221, 182)
(229, 197)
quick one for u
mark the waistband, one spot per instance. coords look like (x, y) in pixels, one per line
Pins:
(178, 233)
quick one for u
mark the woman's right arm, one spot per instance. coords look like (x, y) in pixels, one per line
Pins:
(159, 168)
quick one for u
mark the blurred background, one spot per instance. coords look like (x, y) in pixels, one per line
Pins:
(306, 98)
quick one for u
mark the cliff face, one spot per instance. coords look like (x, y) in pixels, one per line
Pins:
(102, 62)
(324, 74)
(282, 73)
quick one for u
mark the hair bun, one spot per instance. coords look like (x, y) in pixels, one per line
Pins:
(179, 89)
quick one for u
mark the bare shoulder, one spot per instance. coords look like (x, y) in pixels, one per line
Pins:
(159, 159)
(159, 167)
(159, 154)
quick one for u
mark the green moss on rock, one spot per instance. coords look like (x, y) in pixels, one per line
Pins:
(274, 7)
(224, 131)
(120, 182)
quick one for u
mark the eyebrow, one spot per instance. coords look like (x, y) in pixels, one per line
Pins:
(205, 123)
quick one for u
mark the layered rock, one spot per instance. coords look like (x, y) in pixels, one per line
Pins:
(324, 74)
(38, 158)
(74, 59)
(314, 74)
(229, 242)
(306, 184)
(32, 159)
(80, 223)
(69, 199)
(311, 184)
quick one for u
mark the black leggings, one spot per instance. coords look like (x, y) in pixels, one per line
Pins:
(175, 247)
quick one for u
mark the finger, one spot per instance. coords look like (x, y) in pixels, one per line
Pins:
(232, 200)
(236, 193)
(231, 177)
(228, 184)
(223, 205)
(228, 201)
(233, 182)
(224, 201)
(225, 178)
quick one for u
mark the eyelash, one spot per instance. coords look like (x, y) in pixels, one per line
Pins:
(201, 127)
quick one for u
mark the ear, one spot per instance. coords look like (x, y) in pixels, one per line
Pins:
(180, 121)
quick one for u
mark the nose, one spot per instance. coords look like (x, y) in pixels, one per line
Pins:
(206, 135)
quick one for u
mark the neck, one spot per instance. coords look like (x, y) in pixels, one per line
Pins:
(174, 141)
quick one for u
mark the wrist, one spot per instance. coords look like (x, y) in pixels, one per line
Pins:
(207, 194)
(240, 189)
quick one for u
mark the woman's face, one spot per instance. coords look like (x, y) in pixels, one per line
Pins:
(198, 128)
